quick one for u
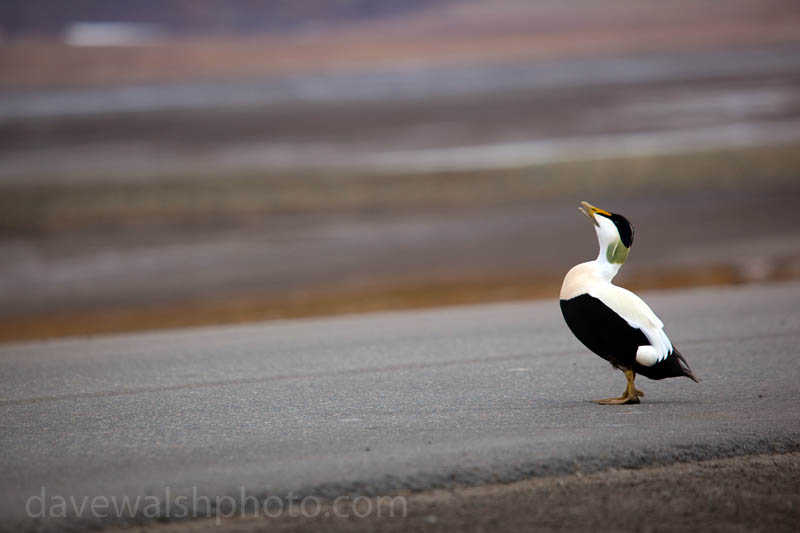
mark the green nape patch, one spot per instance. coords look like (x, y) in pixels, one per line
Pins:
(617, 252)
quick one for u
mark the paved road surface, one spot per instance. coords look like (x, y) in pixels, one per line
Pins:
(376, 402)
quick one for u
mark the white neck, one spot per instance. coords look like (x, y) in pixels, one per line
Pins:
(581, 278)
(605, 270)
(612, 252)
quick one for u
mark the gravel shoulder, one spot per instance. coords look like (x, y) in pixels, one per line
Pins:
(752, 493)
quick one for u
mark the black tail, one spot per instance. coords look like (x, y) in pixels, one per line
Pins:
(684, 366)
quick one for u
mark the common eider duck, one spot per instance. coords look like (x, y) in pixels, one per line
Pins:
(612, 321)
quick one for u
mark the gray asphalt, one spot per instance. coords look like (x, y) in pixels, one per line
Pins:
(378, 402)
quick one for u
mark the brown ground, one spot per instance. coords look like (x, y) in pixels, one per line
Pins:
(330, 302)
(760, 493)
(64, 216)
(58, 229)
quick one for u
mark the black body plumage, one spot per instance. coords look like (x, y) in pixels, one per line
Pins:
(610, 336)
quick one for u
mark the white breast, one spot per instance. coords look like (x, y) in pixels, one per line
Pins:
(579, 280)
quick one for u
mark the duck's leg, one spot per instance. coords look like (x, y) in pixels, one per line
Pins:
(631, 394)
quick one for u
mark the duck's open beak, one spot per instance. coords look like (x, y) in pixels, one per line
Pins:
(589, 210)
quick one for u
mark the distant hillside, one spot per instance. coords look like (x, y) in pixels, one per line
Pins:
(51, 17)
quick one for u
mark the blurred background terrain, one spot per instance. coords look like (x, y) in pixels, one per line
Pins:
(174, 162)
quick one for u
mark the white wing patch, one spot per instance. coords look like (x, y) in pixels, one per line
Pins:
(638, 315)
(646, 355)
